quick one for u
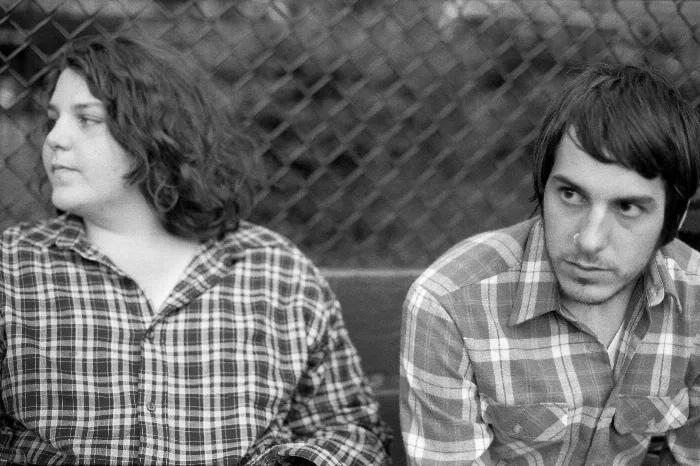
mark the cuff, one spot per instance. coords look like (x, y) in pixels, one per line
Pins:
(296, 454)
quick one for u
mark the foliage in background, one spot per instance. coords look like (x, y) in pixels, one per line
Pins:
(390, 129)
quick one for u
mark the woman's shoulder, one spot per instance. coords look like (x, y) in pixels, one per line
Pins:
(261, 245)
(250, 235)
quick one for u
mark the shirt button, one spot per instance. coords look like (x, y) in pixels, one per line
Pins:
(517, 428)
(149, 336)
(151, 406)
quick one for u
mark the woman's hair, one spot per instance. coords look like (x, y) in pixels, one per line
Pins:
(191, 164)
(629, 116)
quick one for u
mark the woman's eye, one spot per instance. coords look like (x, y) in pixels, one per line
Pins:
(50, 123)
(86, 121)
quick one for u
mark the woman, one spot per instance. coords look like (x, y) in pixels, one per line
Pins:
(148, 323)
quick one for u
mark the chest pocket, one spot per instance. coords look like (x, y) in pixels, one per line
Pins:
(651, 415)
(541, 422)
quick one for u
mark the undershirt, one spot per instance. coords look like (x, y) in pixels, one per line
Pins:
(614, 346)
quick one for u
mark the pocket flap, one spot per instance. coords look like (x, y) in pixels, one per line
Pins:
(541, 422)
(651, 415)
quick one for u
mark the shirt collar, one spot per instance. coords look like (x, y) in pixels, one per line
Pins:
(71, 232)
(660, 282)
(67, 231)
(537, 290)
(63, 231)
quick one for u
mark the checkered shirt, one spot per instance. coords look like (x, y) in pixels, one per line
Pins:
(247, 360)
(492, 373)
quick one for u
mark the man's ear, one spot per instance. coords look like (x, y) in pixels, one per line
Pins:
(685, 215)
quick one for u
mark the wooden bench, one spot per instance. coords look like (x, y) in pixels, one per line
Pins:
(372, 301)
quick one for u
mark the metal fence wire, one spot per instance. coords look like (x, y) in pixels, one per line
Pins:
(391, 129)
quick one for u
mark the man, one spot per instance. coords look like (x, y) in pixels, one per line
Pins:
(570, 338)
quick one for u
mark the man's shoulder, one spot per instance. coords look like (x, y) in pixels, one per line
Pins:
(680, 258)
(678, 267)
(479, 257)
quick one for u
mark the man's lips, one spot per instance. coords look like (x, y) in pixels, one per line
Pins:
(586, 267)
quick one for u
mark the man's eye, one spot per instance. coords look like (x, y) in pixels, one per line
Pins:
(630, 210)
(570, 196)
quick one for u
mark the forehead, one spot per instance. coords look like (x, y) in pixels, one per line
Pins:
(72, 88)
(606, 181)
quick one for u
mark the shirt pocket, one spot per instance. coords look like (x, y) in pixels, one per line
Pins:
(651, 415)
(541, 422)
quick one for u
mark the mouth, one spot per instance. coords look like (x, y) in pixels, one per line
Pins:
(584, 267)
(57, 167)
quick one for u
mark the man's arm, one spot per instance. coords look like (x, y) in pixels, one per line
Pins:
(684, 442)
(440, 408)
(334, 417)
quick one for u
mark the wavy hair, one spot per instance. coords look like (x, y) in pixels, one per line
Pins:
(630, 116)
(193, 167)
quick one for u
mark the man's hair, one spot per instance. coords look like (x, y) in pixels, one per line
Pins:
(629, 116)
(191, 164)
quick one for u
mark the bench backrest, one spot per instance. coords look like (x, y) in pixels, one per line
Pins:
(372, 301)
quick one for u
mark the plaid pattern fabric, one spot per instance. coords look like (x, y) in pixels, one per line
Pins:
(248, 360)
(493, 373)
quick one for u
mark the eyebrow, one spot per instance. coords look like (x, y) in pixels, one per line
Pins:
(76, 107)
(632, 199)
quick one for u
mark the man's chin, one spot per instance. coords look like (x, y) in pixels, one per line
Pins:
(592, 294)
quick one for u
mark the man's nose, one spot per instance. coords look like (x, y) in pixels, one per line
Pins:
(594, 230)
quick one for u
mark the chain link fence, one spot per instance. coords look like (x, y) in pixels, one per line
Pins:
(390, 129)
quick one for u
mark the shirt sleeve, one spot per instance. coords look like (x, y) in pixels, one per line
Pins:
(334, 416)
(8, 455)
(440, 409)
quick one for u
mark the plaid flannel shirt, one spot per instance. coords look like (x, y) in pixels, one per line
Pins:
(248, 359)
(493, 373)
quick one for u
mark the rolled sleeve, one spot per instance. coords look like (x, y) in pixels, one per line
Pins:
(334, 417)
(440, 409)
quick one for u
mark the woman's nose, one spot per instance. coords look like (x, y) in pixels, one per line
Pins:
(58, 136)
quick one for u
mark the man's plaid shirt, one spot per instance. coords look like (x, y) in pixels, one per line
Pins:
(492, 372)
(247, 360)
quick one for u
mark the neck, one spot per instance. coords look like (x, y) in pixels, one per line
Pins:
(606, 317)
(139, 221)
